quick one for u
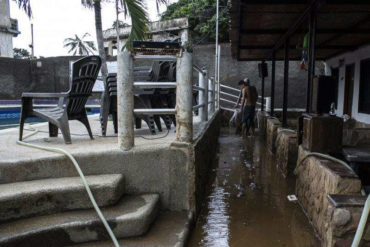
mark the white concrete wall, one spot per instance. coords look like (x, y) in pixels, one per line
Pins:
(350, 58)
(6, 39)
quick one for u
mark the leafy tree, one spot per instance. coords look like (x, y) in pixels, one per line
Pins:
(21, 53)
(120, 24)
(79, 45)
(202, 18)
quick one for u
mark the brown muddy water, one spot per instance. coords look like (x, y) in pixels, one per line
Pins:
(247, 204)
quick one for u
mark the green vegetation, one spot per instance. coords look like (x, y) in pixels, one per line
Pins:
(120, 24)
(202, 18)
(21, 53)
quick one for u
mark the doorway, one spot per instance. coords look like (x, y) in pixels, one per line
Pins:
(348, 89)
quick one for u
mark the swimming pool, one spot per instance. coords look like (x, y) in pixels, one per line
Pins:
(9, 115)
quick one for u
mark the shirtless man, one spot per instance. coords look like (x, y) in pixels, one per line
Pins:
(248, 105)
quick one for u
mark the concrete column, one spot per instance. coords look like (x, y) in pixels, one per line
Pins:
(125, 100)
(184, 36)
(110, 48)
(286, 83)
(273, 64)
(203, 96)
(211, 95)
(184, 96)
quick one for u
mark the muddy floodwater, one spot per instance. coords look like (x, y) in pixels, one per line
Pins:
(247, 204)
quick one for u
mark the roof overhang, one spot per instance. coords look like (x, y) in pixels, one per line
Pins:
(259, 27)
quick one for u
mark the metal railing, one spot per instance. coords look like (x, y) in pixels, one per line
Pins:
(206, 88)
(234, 93)
(184, 94)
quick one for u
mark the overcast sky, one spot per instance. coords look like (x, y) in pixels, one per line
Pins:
(55, 20)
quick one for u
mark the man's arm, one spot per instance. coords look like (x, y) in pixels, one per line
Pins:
(244, 95)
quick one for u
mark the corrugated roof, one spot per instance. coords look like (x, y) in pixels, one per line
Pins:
(258, 25)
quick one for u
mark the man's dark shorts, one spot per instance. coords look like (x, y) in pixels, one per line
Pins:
(248, 113)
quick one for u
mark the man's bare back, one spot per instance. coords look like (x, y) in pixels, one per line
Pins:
(248, 97)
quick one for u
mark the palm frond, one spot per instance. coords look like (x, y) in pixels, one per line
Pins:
(88, 3)
(159, 2)
(91, 45)
(139, 19)
(85, 35)
(26, 6)
(79, 45)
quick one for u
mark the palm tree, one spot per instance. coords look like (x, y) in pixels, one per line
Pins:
(79, 45)
(133, 7)
(25, 5)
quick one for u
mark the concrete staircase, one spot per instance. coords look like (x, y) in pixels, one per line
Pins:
(57, 212)
(46, 196)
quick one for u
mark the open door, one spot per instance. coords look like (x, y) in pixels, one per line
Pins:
(348, 89)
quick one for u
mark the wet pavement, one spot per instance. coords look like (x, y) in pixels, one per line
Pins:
(247, 203)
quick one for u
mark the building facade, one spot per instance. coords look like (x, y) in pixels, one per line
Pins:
(8, 30)
(157, 31)
(352, 69)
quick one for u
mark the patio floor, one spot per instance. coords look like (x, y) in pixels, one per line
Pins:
(10, 151)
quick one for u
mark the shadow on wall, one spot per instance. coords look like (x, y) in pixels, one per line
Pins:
(231, 71)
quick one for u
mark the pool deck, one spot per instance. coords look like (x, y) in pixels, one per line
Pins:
(10, 151)
(99, 156)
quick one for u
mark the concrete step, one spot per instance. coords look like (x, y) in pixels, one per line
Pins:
(46, 196)
(170, 229)
(131, 216)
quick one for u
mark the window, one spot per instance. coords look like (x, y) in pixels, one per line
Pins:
(364, 99)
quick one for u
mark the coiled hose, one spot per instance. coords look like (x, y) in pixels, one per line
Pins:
(92, 199)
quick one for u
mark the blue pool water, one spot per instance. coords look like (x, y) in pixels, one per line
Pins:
(9, 117)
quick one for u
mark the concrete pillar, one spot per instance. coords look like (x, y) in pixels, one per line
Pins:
(110, 48)
(273, 64)
(184, 36)
(184, 96)
(268, 104)
(286, 83)
(203, 96)
(211, 95)
(125, 100)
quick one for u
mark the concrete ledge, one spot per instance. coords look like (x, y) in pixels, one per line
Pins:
(132, 216)
(317, 178)
(262, 117)
(344, 213)
(205, 149)
(159, 165)
(38, 197)
(356, 136)
(272, 125)
(286, 150)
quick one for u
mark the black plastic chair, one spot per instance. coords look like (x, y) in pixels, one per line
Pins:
(82, 80)
(139, 103)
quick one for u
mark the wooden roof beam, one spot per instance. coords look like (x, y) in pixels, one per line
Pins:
(347, 31)
(293, 47)
(319, 31)
(297, 24)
